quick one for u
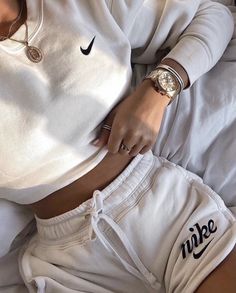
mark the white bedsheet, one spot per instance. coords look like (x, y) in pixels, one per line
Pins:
(198, 133)
(199, 128)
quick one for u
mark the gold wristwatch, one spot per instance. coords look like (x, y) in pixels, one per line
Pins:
(166, 81)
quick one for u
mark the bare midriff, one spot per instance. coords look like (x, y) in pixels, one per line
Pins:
(72, 195)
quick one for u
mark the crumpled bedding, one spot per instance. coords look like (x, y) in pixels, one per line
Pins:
(199, 128)
(198, 132)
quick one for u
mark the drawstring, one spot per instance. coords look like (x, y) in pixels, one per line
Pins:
(97, 214)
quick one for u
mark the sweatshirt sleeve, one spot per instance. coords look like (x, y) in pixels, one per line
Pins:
(195, 33)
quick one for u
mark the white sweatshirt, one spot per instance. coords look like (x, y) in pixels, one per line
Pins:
(51, 111)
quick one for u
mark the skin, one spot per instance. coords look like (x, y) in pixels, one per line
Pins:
(9, 11)
(136, 120)
(222, 279)
(147, 110)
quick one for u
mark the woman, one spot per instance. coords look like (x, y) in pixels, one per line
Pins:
(90, 203)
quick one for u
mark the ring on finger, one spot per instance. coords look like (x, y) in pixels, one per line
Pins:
(124, 147)
(106, 126)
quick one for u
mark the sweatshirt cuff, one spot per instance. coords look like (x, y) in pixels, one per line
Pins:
(194, 56)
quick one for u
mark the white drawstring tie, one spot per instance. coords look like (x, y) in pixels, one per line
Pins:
(97, 214)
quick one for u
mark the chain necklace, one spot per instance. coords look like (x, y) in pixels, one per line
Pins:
(34, 54)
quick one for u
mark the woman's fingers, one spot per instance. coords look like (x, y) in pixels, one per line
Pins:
(128, 141)
(136, 149)
(118, 141)
(130, 144)
(142, 146)
(102, 138)
(115, 139)
(122, 144)
(145, 149)
(104, 134)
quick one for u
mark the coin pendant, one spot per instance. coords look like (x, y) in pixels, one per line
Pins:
(34, 54)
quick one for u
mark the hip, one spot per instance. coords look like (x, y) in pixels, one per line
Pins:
(74, 194)
(155, 226)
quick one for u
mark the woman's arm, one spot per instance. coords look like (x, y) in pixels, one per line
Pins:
(203, 42)
(196, 33)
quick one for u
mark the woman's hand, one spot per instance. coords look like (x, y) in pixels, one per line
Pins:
(135, 121)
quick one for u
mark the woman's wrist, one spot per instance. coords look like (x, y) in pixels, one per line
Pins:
(162, 100)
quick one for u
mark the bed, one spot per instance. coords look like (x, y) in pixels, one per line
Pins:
(199, 129)
(198, 132)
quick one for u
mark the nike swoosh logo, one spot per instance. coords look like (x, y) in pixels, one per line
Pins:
(200, 253)
(88, 50)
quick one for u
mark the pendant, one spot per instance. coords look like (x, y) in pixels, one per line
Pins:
(34, 54)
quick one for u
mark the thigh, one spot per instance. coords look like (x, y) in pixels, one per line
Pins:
(180, 229)
(222, 279)
(163, 233)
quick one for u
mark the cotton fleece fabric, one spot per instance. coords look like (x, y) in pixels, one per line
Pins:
(51, 111)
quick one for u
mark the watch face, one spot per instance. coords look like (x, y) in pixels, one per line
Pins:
(167, 81)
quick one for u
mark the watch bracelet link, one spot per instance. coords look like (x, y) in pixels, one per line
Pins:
(176, 75)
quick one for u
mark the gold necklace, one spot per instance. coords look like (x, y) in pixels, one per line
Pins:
(33, 53)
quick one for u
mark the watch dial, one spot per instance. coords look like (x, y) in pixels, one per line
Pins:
(167, 81)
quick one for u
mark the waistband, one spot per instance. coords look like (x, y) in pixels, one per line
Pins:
(98, 208)
(118, 190)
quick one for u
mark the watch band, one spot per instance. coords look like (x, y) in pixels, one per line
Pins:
(153, 75)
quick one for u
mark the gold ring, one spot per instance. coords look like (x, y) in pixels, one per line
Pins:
(124, 147)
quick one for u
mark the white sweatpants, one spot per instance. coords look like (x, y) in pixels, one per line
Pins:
(155, 228)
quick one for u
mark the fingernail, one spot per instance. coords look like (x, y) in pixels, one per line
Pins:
(96, 142)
